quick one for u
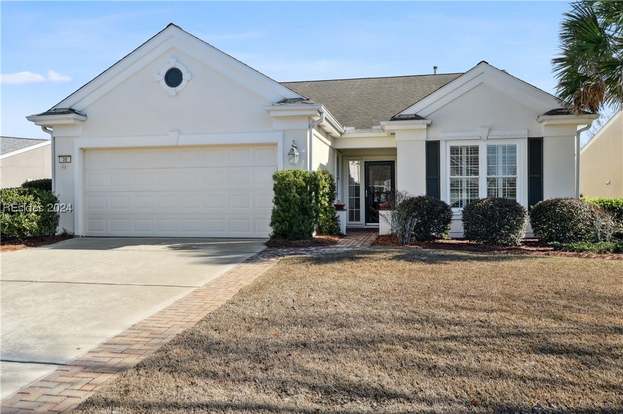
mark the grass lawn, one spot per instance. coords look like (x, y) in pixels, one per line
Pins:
(397, 331)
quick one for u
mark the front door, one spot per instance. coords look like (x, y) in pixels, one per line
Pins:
(380, 187)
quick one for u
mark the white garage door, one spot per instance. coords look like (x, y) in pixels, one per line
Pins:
(206, 191)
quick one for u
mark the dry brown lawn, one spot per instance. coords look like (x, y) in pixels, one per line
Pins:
(397, 331)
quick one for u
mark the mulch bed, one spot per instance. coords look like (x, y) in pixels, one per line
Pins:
(529, 246)
(315, 242)
(8, 245)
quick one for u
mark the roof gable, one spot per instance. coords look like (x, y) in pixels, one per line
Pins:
(171, 37)
(483, 72)
(363, 103)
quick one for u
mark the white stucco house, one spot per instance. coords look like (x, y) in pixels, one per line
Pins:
(180, 139)
(24, 159)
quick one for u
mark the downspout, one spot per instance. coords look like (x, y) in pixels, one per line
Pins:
(312, 125)
(577, 159)
(53, 152)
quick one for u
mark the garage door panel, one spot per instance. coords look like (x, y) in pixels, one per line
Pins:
(192, 191)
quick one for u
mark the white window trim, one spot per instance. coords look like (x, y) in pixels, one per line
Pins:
(522, 167)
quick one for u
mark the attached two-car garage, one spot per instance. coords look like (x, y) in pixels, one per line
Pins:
(195, 191)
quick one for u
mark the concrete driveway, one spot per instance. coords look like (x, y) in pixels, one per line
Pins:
(61, 300)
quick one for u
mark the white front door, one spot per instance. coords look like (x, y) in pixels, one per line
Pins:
(202, 191)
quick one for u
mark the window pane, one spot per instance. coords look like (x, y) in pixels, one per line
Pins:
(503, 187)
(463, 191)
(502, 170)
(354, 191)
(464, 171)
(464, 160)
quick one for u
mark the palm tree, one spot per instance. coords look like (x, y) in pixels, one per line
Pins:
(590, 67)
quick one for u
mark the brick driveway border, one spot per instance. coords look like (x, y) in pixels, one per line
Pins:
(69, 385)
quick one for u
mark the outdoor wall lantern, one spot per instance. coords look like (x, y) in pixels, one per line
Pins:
(64, 159)
(293, 154)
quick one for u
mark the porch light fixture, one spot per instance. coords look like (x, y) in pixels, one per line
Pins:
(293, 154)
(64, 159)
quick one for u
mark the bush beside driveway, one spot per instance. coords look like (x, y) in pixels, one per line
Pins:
(398, 330)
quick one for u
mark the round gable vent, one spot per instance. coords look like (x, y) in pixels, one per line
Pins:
(173, 78)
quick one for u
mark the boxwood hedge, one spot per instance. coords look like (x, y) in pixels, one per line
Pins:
(498, 221)
(570, 220)
(421, 218)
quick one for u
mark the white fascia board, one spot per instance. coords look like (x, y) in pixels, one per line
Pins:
(169, 38)
(468, 76)
(378, 141)
(405, 125)
(566, 119)
(116, 69)
(290, 110)
(53, 120)
(365, 133)
(521, 91)
(23, 150)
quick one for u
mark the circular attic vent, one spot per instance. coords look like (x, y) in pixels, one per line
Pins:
(173, 77)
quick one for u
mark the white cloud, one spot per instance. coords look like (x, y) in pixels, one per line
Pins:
(54, 76)
(25, 77)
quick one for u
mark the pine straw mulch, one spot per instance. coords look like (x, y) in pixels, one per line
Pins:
(396, 331)
(529, 247)
(9, 245)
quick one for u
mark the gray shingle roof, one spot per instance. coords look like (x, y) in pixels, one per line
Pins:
(10, 144)
(363, 103)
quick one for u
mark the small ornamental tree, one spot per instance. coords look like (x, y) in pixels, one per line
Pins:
(294, 208)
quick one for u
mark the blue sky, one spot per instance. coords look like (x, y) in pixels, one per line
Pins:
(48, 50)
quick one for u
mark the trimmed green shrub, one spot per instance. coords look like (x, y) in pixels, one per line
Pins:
(614, 207)
(294, 213)
(27, 212)
(41, 184)
(325, 197)
(570, 220)
(588, 247)
(498, 221)
(421, 218)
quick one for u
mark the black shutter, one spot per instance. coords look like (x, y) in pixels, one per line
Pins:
(535, 170)
(433, 180)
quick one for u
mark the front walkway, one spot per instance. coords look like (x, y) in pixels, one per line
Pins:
(68, 385)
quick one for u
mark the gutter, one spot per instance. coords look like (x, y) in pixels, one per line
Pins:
(310, 136)
(53, 152)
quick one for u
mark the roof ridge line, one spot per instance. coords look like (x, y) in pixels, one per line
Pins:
(374, 77)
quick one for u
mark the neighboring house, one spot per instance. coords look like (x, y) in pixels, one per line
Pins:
(601, 159)
(23, 159)
(180, 139)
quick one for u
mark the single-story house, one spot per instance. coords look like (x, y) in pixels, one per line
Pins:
(601, 161)
(180, 139)
(24, 159)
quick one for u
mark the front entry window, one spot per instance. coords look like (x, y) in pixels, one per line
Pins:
(379, 187)
(464, 175)
(354, 191)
